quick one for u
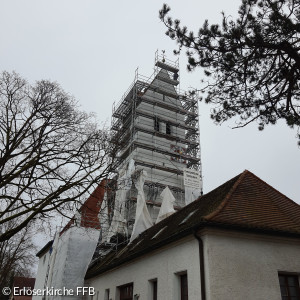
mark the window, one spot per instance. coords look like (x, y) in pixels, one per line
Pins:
(289, 287)
(106, 294)
(153, 289)
(168, 128)
(156, 124)
(187, 217)
(126, 291)
(159, 232)
(183, 287)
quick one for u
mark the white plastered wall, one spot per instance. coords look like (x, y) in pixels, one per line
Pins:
(243, 266)
(163, 265)
(41, 273)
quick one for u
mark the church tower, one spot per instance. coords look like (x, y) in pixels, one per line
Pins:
(157, 128)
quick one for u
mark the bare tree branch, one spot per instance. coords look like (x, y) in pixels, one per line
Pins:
(252, 63)
(51, 153)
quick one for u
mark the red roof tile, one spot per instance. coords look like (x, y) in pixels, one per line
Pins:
(90, 209)
(253, 203)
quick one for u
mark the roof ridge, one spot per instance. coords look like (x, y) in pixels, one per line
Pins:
(226, 199)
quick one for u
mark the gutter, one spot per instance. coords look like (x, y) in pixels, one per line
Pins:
(202, 269)
(45, 248)
(111, 264)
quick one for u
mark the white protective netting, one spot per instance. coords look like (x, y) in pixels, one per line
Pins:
(143, 220)
(119, 223)
(72, 254)
(167, 205)
(191, 194)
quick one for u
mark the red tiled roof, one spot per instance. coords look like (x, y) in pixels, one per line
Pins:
(91, 207)
(253, 203)
(89, 210)
(244, 203)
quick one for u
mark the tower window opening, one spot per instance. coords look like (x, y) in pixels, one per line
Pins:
(168, 128)
(156, 124)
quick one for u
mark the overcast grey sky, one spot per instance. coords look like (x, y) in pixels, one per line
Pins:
(92, 48)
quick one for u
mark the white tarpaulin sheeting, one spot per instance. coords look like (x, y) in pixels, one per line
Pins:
(167, 205)
(104, 217)
(74, 251)
(142, 217)
(118, 223)
(191, 194)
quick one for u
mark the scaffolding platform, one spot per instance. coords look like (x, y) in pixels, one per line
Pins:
(167, 67)
(156, 125)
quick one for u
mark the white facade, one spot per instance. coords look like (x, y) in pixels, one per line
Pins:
(237, 266)
(164, 265)
(243, 266)
(41, 272)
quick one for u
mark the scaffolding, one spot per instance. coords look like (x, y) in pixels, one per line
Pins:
(156, 124)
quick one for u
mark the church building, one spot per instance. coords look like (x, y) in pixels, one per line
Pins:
(150, 233)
